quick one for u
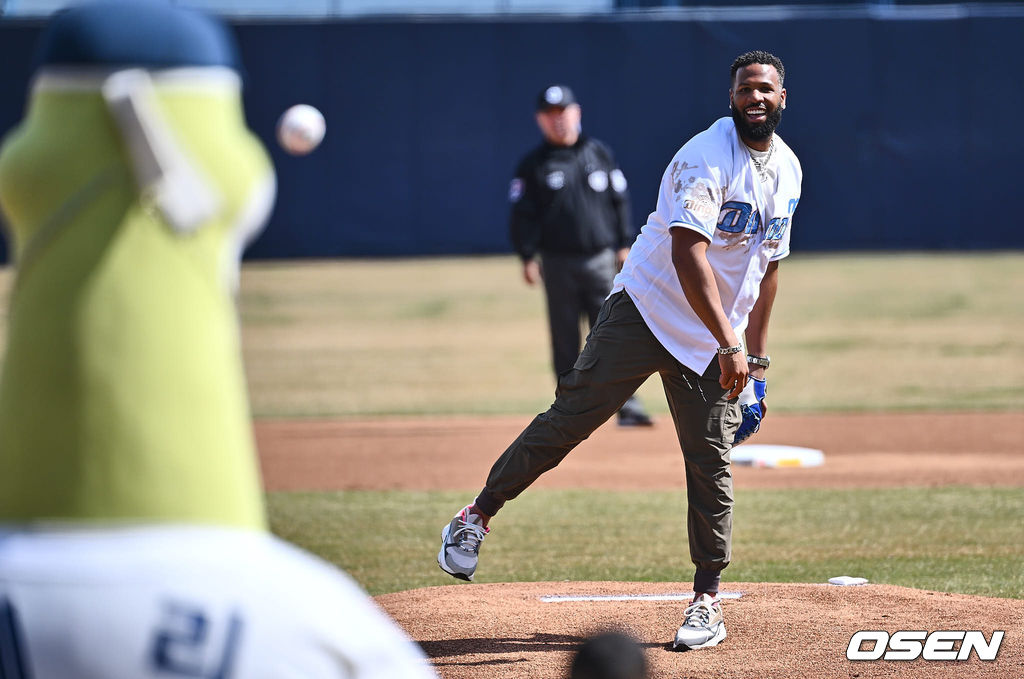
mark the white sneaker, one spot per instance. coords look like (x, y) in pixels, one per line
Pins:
(704, 626)
(460, 544)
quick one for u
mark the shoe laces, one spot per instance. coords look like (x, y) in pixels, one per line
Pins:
(698, 614)
(469, 535)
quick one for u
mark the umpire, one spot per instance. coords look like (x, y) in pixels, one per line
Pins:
(570, 207)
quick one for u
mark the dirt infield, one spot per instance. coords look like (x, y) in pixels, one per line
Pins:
(505, 631)
(869, 451)
(775, 630)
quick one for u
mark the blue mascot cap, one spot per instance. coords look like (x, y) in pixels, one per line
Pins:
(145, 33)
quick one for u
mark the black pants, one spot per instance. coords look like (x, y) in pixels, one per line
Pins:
(576, 286)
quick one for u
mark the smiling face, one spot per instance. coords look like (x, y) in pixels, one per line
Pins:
(757, 99)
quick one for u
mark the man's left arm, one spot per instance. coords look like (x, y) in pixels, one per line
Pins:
(757, 324)
(752, 401)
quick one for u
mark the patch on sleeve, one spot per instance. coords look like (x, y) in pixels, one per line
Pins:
(698, 197)
(598, 180)
(618, 180)
(515, 190)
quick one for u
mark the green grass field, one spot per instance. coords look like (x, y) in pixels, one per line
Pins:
(465, 335)
(947, 539)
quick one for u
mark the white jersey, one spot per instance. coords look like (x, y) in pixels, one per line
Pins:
(712, 187)
(209, 603)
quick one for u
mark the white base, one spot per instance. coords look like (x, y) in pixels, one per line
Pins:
(772, 456)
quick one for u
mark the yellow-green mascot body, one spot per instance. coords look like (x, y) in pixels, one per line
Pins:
(132, 541)
(129, 196)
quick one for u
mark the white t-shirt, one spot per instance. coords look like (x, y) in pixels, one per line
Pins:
(712, 187)
(183, 601)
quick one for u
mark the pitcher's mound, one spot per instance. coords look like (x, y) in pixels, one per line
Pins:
(520, 630)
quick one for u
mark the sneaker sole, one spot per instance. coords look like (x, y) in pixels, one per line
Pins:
(440, 558)
(713, 641)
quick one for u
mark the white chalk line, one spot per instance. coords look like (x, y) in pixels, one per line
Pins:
(554, 599)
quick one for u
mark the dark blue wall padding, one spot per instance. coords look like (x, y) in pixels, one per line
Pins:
(908, 129)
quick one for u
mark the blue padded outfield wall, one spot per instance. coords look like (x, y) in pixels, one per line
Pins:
(909, 126)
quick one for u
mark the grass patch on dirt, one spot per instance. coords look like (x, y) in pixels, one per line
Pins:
(950, 539)
(467, 336)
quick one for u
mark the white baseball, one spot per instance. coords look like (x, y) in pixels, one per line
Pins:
(301, 129)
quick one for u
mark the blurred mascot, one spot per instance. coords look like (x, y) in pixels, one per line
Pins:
(133, 536)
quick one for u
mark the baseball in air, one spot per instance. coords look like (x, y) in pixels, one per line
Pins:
(301, 129)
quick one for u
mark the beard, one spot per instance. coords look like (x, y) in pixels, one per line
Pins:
(756, 132)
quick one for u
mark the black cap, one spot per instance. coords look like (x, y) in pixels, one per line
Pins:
(555, 95)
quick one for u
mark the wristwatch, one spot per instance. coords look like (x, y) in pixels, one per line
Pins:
(763, 361)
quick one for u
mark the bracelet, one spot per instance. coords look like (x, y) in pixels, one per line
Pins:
(763, 361)
(723, 351)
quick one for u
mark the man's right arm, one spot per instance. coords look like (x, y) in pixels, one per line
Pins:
(689, 257)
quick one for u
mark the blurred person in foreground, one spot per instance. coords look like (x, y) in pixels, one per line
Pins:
(702, 274)
(570, 225)
(609, 655)
(133, 537)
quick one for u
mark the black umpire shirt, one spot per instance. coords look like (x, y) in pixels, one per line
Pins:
(569, 200)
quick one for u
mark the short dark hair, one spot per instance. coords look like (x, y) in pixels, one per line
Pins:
(758, 57)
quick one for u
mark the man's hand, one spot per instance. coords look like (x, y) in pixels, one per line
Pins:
(531, 272)
(734, 372)
(620, 258)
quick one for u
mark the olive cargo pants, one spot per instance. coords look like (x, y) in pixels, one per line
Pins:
(620, 353)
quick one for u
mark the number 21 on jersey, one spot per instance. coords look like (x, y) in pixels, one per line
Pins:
(189, 643)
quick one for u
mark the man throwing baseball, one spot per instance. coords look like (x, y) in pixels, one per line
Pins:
(702, 274)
